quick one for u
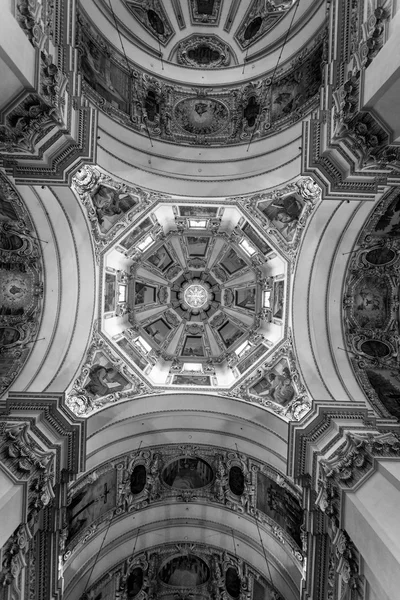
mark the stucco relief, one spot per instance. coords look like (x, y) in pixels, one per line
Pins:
(111, 205)
(285, 211)
(204, 52)
(205, 12)
(260, 18)
(21, 284)
(104, 379)
(152, 15)
(185, 473)
(277, 384)
(371, 307)
(184, 570)
(183, 115)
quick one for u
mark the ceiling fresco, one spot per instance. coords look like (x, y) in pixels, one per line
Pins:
(193, 294)
(21, 284)
(188, 474)
(371, 307)
(153, 17)
(260, 18)
(183, 571)
(205, 12)
(203, 116)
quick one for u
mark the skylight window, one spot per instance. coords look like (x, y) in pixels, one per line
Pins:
(198, 223)
(142, 345)
(122, 293)
(247, 247)
(242, 349)
(146, 243)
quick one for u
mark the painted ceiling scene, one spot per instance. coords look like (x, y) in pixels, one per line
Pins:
(182, 114)
(199, 300)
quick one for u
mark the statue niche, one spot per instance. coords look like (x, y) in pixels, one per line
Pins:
(134, 582)
(152, 106)
(138, 479)
(252, 111)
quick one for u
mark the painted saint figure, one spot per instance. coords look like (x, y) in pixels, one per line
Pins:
(104, 380)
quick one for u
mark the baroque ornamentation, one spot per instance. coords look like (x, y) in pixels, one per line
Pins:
(21, 285)
(204, 51)
(184, 570)
(183, 115)
(261, 17)
(371, 306)
(185, 473)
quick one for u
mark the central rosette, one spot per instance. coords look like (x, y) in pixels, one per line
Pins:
(195, 295)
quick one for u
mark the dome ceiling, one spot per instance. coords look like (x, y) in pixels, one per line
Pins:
(21, 284)
(260, 17)
(221, 114)
(194, 294)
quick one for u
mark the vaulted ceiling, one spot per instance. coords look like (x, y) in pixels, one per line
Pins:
(192, 304)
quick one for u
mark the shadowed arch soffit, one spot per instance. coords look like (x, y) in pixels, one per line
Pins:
(180, 113)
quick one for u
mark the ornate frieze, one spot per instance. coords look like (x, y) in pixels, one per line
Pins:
(21, 284)
(184, 570)
(371, 306)
(185, 473)
(277, 385)
(184, 115)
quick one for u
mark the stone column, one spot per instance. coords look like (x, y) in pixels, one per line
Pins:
(351, 463)
(41, 449)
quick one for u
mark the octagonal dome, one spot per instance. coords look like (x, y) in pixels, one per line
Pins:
(194, 295)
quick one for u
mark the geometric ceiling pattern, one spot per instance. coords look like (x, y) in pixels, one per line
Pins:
(257, 21)
(194, 295)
